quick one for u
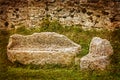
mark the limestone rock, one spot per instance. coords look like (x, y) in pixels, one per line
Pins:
(98, 57)
(87, 13)
(42, 48)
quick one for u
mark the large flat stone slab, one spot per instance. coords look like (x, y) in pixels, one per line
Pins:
(42, 48)
(98, 56)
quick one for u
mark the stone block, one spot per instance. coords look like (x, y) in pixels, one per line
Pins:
(42, 48)
(98, 57)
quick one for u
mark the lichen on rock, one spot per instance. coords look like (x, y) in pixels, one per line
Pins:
(98, 56)
(42, 48)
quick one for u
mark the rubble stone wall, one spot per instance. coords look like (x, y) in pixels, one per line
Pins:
(87, 13)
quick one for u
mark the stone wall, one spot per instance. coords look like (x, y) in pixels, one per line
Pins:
(87, 13)
(13, 13)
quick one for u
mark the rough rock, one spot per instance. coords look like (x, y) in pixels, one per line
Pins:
(42, 48)
(97, 14)
(98, 57)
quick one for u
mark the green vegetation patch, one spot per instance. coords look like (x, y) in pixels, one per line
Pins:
(17, 71)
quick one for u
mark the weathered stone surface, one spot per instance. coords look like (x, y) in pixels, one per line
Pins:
(98, 57)
(42, 48)
(89, 14)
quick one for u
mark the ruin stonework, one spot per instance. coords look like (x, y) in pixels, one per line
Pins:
(99, 54)
(42, 48)
(87, 13)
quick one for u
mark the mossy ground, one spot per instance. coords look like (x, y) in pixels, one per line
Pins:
(17, 71)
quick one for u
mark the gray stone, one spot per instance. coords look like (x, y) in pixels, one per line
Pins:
(98, 57)
(42, 48)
